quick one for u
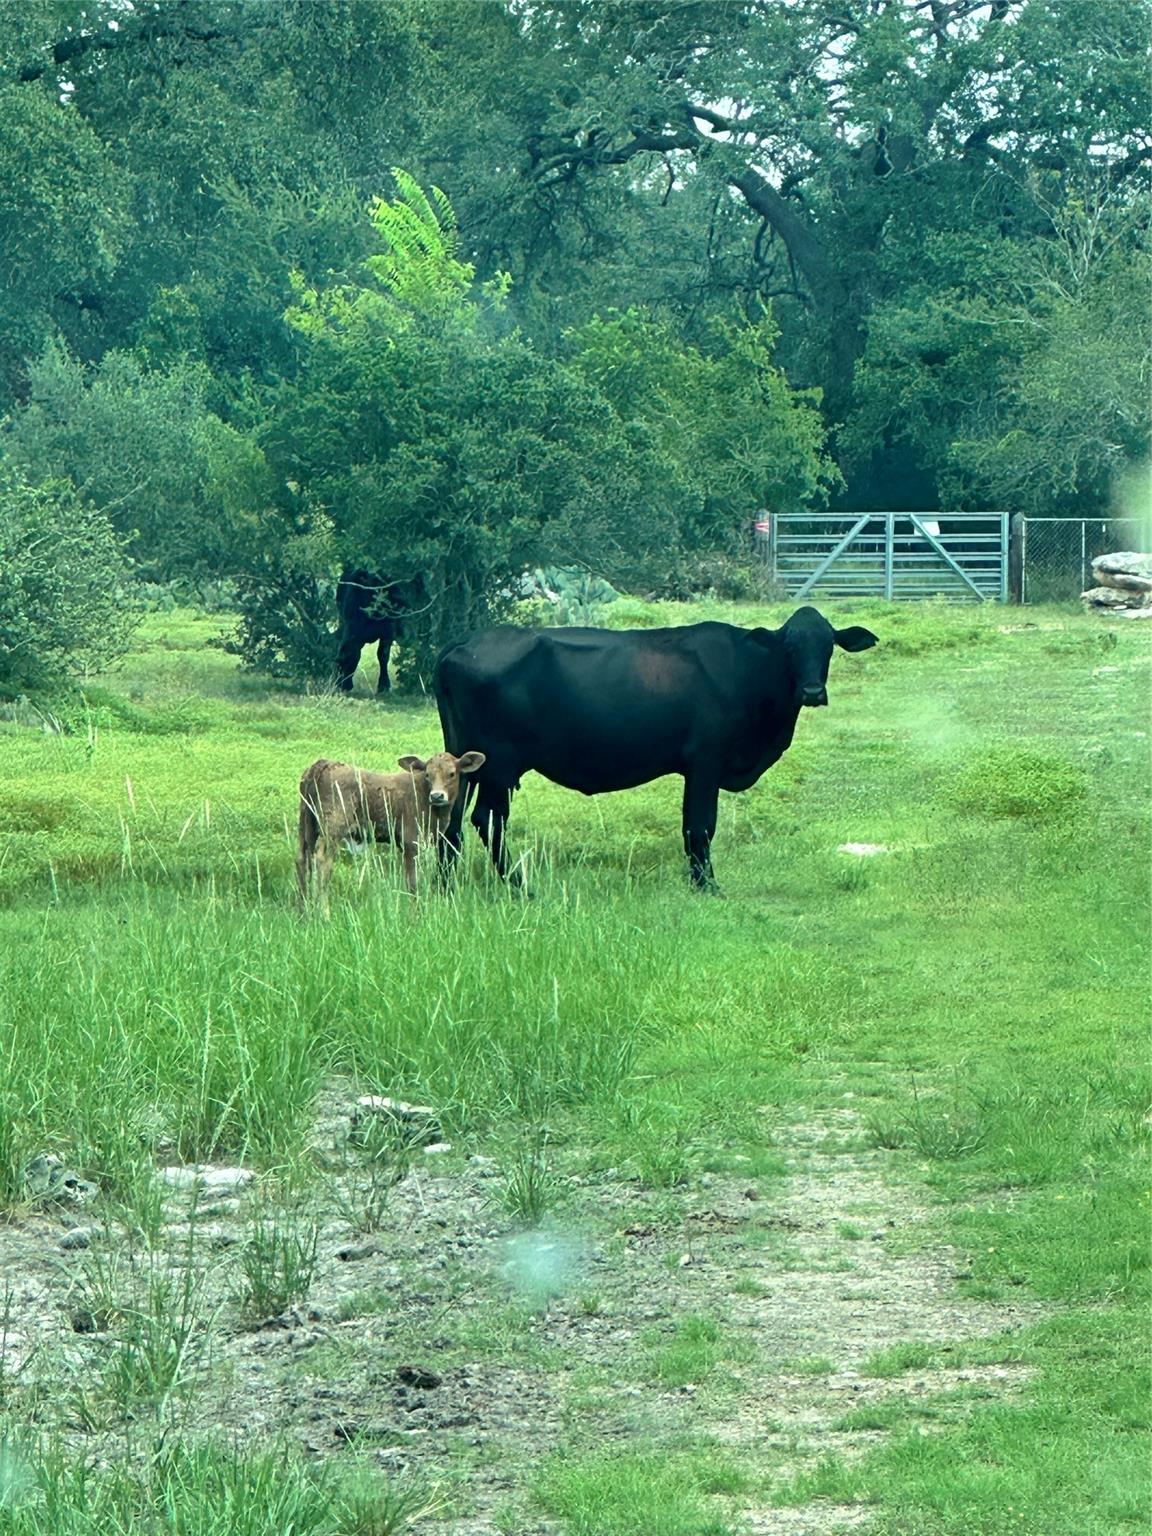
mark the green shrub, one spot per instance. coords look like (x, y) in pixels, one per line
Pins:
(64, 606)
(1019, 781)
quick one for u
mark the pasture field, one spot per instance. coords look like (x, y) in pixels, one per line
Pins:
(819, 1206)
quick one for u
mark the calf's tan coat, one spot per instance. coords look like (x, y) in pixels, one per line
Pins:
(338, 801)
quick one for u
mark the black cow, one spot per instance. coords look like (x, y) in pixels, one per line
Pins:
(369, 608)
(596, 710)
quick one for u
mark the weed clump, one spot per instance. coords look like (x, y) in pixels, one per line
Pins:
(1013, 781)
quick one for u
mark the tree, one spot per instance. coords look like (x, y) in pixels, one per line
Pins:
(425, 440)
(734, 435)
(846, 137)
(64, 608)
(185, 156)
(1071, 413)
(141, 446)
(64, 220)
(1017, 373)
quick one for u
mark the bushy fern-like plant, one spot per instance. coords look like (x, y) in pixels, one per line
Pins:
(420, 263)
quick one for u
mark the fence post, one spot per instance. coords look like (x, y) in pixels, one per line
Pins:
(1015, 556)
(889, 525)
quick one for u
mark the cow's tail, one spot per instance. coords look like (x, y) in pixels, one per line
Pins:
(454, 742)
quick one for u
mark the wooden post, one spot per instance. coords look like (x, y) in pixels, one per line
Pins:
(1017, 537)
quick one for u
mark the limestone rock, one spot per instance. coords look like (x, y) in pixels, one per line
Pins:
(47, 1181)
(1113, 597)
(1123, 581)
(1124, 562)
(220, 1181)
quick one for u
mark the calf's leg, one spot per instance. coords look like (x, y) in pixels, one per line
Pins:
(409, 847)
(314, 871)
(304, 872)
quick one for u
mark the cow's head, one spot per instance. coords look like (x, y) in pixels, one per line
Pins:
(441, 774)
(809, 641)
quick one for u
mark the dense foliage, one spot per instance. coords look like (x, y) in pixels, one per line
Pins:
(63, 608)
(687, 261)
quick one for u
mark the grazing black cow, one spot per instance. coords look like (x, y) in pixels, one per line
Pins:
(369, 608)
(597, 709)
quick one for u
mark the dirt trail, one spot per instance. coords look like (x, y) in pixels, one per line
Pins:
(533, 1343)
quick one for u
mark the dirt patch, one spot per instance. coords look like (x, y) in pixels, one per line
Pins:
(451, 1346)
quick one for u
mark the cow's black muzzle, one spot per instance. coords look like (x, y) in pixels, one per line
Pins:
(812, 697)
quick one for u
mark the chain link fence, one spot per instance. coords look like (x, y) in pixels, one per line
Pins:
(1053, 556)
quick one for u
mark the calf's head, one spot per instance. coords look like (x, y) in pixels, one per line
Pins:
(809, 641)
(441, 773)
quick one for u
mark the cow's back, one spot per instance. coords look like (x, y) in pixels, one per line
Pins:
(358, 592)
(591, 709)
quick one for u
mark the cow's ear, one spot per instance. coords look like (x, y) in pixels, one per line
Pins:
(413, 764)
(855, 638)
(765, 637)
(470, 761)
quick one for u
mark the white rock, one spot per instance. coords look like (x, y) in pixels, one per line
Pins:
(1124, 562)
(205, 1176)
(862, 850)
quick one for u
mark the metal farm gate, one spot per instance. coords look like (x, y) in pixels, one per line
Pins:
(896, 555)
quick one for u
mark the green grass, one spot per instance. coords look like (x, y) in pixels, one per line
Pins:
(1070, 1460)
(693, 1353)
(204, 1491)
(638, 1495)
(979, 988)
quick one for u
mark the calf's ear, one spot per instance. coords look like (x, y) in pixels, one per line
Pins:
(470, 762)
(855, 638)
(413, 764)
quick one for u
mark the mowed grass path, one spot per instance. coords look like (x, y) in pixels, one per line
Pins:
(977, 991)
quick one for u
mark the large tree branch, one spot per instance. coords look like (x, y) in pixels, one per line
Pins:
(74, 46)
(803, 246)
(805, 250)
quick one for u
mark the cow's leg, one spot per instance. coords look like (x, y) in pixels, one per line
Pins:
(450, 839)
(383, 651)
(490, 818)
(701, 797)
(347, 660)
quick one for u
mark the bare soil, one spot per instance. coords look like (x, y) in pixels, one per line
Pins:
(452, 1345)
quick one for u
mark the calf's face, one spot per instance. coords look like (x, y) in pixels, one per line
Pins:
(809, 641)
(441, 774)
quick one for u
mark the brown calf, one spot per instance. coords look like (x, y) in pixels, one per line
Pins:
(337, 802)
